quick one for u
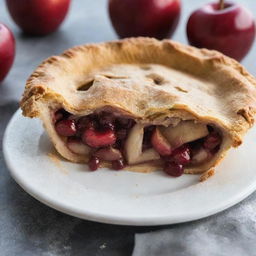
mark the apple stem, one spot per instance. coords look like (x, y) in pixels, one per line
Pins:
(221, 4)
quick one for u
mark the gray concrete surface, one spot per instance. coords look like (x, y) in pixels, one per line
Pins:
(29, 228)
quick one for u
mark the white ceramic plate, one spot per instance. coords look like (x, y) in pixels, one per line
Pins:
(123, 197)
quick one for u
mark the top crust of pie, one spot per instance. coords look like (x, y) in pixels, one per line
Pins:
(146, 79)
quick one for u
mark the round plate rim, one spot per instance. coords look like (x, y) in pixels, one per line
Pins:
(104, 218)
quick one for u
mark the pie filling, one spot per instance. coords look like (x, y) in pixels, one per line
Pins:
(103, 136)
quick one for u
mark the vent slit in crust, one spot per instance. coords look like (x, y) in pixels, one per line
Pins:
(157, 79)
(86, 86)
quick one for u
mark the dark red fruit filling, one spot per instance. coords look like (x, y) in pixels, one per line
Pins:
(106, 121)
(173, 169)
(97, 138)
(118, 164)
(66, 127)
(181, 155)
(124, 123)
(212, 141)
(104, 135)
(85, 123)
(146, 144)
(121, 134)
(94, 163)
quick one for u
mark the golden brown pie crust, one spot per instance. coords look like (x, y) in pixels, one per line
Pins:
(148, 80)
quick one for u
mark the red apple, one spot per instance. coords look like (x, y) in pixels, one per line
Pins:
(37, 17)
(153, 18)
(230, 30)
(7, 50)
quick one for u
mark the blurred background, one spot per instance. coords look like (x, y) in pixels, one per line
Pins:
(87, 21)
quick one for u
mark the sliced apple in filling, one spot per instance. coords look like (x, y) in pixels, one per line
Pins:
(184, 132)
(201, 156)
(108, 154)
(133, 147)
(121, 141)
(76, 146)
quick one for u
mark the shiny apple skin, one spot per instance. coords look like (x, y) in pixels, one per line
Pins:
(38, 17)
(230, 31)
(152, 18)
(7, 50)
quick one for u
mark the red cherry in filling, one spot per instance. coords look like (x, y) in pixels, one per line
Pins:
(97, 139)
(212, 141)
(94, 163)
(173, 169)
(118, 164)
(181, 155)
(66, 127)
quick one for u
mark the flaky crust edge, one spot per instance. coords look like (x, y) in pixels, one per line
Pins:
(36, 92)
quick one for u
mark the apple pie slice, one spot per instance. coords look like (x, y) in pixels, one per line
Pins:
(142, 104)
